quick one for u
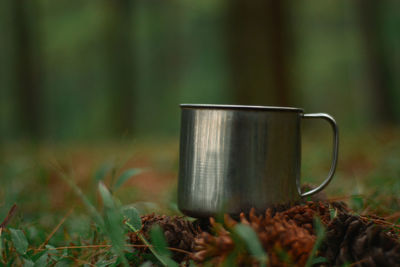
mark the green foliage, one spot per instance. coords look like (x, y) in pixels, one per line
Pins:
(29, 263)
(320, 232)
(250, 238)
(125, 176)
(157, 248)
(160, 246)
(113, 223)
(89, 206)
(132, 216)
(103, 171)
(357, 202)
(99, 211)
(19, 240)
(42, 260)
(146, 264)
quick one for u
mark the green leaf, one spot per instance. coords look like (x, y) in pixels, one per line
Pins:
(126, 175)
(318, 260)
(1, 241)
(165, 261)
(113, 223)
(133, 217)
(158, 241)
(106, 196)
(89, 206)
(230, 260)
(332, 213)
(357, 202)
(247, 234)
(63, 263)
(28, 263)
(36, 257)
(19, 240)
(320, 231)
(42, 261)
(161, 247)
(146, 264)
(103, 171)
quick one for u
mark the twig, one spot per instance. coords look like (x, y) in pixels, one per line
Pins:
(394, 216)
(172, 249)
(56, 228)
(10, 214)
(144, 240)
(77, 260)
(109, 246)
(379, 221)
(358, 262)
(95, 253)
(338, 198)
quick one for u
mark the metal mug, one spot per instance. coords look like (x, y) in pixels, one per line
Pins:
(234, 158)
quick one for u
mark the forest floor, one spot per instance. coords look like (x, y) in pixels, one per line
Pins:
(79, 204)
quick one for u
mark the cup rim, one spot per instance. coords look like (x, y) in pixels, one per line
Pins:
(242, 107)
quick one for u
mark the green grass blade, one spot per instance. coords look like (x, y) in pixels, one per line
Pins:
(28, 263)
(320, 231)
(113, 223)
(318, 260)
(19, 240)
(88, 205)
(108, 201)
(159, 242)
(250, 238)
(103, 171)
(146, 264)
(42, 261)
(1, 243)
(159, 257)
(160, 246)
(132, 216)
(126, 175)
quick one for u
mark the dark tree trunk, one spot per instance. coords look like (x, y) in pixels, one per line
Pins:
(119, 53)
(258, 40)
(28, 66)
(378, 75)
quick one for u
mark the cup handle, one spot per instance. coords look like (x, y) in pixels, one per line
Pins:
(332, 122)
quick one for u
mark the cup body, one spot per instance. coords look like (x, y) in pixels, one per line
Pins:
(234, 158)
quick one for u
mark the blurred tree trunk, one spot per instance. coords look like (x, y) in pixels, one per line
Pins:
(119, 54)
(378, 75)
(28, 66)
(258, 40)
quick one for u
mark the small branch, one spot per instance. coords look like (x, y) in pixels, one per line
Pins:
(392, 217)
(77, 260)
(109, 246)
(144, 240)
(10, 214)
(172, 249)
(56, 229)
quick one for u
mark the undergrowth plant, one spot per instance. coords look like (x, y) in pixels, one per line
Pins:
(107, 244)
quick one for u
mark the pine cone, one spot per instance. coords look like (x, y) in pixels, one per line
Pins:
(303, 215)
(350, 239)
(179, 232)
(210, 246)
(278, 236)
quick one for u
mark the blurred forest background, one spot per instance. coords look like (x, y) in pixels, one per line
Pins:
(106, 70)
(90, 92)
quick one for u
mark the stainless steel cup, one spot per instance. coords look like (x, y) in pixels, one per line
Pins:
(233, 158)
